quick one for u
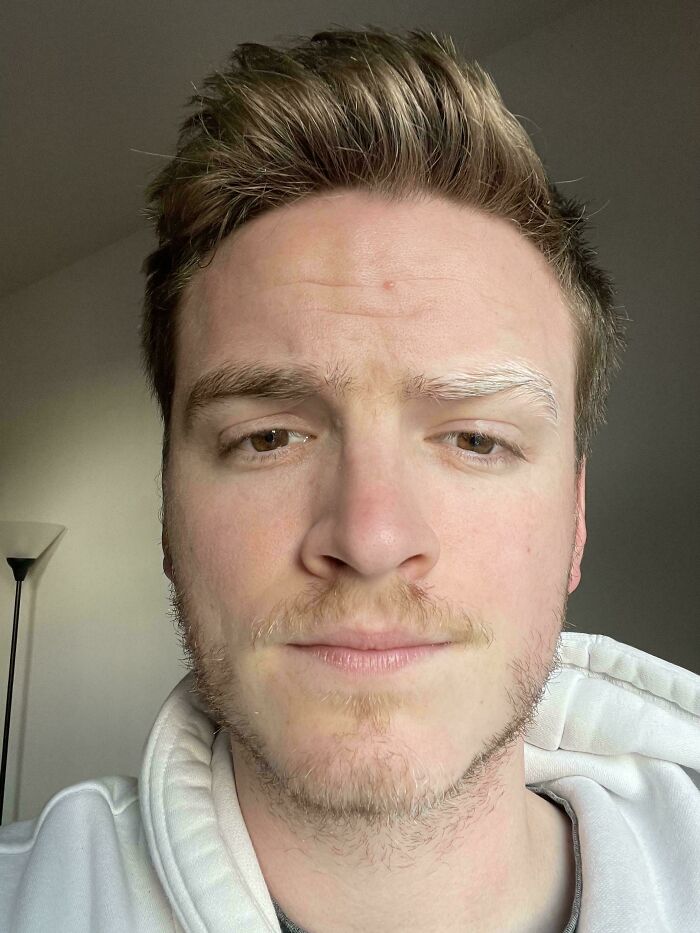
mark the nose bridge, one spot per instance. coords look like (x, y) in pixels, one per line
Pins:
(374, 481)
(373, 450)
(372, 519)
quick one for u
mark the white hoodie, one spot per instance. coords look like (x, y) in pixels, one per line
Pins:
(616, 739)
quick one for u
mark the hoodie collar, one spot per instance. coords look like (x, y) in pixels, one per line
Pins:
(198, 840)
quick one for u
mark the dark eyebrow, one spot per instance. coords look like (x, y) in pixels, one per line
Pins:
(258, 380)
(300, 382)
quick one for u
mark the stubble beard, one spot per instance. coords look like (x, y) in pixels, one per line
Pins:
(369, 802)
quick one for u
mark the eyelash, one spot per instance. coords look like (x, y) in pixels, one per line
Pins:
(489, 461)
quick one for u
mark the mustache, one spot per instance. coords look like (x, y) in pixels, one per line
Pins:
(402, 604)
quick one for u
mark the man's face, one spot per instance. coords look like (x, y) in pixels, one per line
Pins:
(369, 511)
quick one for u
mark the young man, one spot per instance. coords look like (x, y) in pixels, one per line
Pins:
(381, 348)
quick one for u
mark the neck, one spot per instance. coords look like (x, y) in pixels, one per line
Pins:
(493, 857)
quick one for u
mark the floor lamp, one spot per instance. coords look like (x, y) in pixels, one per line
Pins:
(21, 543)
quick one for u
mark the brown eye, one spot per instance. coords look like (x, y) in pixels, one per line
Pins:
(476, 443)
(269, 439)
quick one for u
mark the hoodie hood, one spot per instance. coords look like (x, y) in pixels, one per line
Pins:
(616, 735)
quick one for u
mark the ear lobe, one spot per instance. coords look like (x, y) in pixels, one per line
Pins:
(167, 561)
(580, 533)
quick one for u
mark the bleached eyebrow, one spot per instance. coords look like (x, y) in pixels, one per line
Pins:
(299, 382)
(516, 378)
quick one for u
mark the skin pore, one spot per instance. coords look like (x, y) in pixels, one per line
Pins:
(395, 801)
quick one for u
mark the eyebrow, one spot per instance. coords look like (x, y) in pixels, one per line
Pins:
(300, 382)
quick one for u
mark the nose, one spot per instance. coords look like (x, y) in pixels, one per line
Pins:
(370, 518)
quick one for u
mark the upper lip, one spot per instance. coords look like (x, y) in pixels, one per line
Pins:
(368, 640)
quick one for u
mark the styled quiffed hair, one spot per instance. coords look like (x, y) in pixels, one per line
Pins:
(402, 116)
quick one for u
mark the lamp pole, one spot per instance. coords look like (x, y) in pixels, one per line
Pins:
(20, 566)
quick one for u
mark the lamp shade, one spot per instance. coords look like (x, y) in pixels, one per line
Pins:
(27, 539)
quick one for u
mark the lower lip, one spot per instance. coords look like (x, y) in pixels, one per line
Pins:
(371, 661)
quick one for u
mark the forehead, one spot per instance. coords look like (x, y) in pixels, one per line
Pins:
(381, 286)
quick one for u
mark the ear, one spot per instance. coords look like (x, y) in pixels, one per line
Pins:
(167, 561)
(580, 535)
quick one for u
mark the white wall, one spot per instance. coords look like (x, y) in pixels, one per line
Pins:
(611, 97)
(80, 447)
(613, 91)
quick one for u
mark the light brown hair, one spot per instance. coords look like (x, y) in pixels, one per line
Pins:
(402, 116)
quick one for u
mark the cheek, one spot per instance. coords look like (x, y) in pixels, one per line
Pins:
(511, 553)
(504, 552)
(229, 547)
